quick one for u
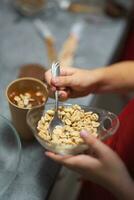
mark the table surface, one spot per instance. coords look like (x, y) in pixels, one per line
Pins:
(20, 44)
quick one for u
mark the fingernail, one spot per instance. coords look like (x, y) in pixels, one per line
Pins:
(61, 95)
(84, 133)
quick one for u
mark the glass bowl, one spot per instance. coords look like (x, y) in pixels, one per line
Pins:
(10, 152)
(109, 124)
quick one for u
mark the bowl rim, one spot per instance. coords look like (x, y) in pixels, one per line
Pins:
(19, 153)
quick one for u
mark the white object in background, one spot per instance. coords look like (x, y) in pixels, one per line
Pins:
(49, 39)
(42, 28)
(64, 4)
(77, 29)
(68, 50)
(79, 7)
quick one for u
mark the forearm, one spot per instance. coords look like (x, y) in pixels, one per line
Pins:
(116, 78)
(124, 190)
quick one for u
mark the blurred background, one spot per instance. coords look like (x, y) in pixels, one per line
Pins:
(85, 34)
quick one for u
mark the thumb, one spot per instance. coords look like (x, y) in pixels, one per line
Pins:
(94, 144)
(62, 81)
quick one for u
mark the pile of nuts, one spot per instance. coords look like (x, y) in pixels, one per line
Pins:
(75, 119)
(23, 100)
(28, 100)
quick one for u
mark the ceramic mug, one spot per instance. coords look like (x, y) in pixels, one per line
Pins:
(18, 114)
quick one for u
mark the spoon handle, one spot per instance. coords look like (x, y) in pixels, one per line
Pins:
(55, 70)
(56, 101)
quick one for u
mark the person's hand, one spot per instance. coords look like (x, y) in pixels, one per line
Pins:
(105, 168)
(73, 82)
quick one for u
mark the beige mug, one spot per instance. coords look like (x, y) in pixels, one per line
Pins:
(18, 114)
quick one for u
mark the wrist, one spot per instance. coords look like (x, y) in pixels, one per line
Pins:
(100, 79)
(123, 189)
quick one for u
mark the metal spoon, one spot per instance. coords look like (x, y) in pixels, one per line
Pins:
(56, 121)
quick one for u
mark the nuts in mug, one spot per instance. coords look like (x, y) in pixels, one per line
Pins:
(27, 99)
(75, 119)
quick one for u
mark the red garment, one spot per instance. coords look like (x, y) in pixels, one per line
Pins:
(123, 143)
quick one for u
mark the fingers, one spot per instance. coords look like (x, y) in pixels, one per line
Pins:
(67, 71)
(96, 146)
(56, 157)
(63, 72)
(62, 81)
(64, 95)
(79, 163)
(68, 160)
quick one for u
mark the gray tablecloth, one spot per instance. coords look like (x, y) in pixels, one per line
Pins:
(19, 44)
